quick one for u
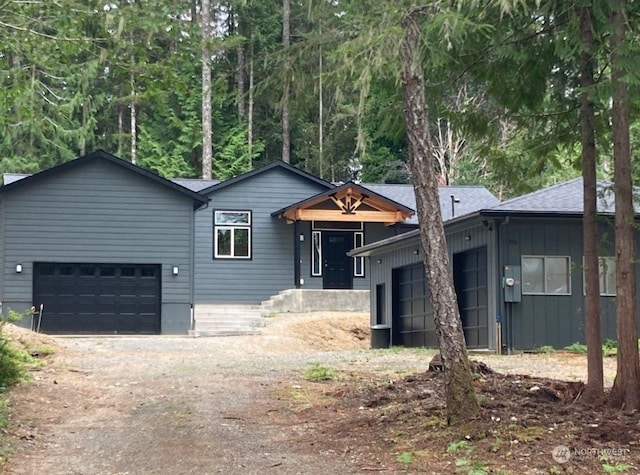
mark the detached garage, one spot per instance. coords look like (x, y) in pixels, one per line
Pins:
(103, 245)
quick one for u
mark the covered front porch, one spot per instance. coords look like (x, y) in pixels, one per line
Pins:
(335, 222)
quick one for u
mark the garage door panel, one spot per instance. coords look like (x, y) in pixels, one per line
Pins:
(98, 298)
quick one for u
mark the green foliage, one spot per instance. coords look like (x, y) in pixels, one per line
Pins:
(471, 467)
(405, 458)
(546, 349)
(459, 446)
(577, 347)
(610, 347)
(618, 468)
(12, 359)
(318, 372)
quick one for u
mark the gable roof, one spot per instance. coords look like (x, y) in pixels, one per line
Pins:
(195, 184)
(8, 178)
(362, 190)
(468, 199)
(198, 200)
(262, 169)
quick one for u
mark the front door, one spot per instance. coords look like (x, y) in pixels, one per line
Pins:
(337, 265)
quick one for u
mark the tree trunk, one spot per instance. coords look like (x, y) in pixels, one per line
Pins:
(240, 79)
(462, 403)
(207, 146)
(134, 118)
(250, 118)
(286, 23)
(626, 388)
(120, 129)
(595, 389)
(320, 109)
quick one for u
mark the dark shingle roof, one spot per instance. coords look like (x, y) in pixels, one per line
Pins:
(468, 198)
(562, 198)
(8, 178)
(195, 184)
(101, 155)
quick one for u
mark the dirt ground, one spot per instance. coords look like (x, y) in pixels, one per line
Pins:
(242, 405)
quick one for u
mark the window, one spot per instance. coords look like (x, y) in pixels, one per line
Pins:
(607, 272)
(607, 269)
(546, 275)
(316, 254)
(358, 262)
(232, 234)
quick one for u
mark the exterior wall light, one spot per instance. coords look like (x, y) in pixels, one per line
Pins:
(175, 270)
(18, 268)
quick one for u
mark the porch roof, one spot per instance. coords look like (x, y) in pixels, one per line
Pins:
(348, 202)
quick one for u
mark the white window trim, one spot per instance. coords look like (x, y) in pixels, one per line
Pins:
(315, 273)
(232, 228)
(358, 236)
(544, 258)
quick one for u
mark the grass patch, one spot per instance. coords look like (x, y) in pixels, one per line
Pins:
(318, 372)
(577, 347)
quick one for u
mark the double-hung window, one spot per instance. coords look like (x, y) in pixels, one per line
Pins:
(546, 275)
(232, 235)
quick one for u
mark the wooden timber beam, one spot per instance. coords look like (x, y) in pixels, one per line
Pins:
(357, 216)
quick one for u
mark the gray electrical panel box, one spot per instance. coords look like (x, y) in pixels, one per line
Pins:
(512, 284)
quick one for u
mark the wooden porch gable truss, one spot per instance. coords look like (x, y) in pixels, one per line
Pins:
(349, 202)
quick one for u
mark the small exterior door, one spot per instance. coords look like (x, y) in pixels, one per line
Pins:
(338, 272)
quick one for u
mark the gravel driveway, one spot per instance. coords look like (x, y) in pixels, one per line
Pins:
(178, 405)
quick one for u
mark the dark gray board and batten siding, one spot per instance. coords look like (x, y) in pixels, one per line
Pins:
(99, 212)
(556, 320)
(459, 239)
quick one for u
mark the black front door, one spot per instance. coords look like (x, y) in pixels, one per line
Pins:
(337, 265)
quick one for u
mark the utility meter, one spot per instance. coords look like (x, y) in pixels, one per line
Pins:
(512, 284)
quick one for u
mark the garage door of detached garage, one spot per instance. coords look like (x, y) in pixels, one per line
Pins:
(98, 298)
(413, 324)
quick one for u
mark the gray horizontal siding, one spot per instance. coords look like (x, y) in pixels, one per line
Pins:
(97, 213)
(271, 267)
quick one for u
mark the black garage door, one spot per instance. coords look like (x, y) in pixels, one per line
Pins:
(98, 298)
(470, 277)
(413, 324)
(412, 312)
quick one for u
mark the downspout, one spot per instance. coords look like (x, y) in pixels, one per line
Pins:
(506, 310)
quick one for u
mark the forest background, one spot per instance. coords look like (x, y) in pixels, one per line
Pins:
(126, 76)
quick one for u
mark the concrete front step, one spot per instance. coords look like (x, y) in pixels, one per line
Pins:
(225, 320)
(310, 300)
(223, 332)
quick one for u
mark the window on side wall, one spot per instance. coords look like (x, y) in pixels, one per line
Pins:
(546, 275)
(232, 235)
(607, 273)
